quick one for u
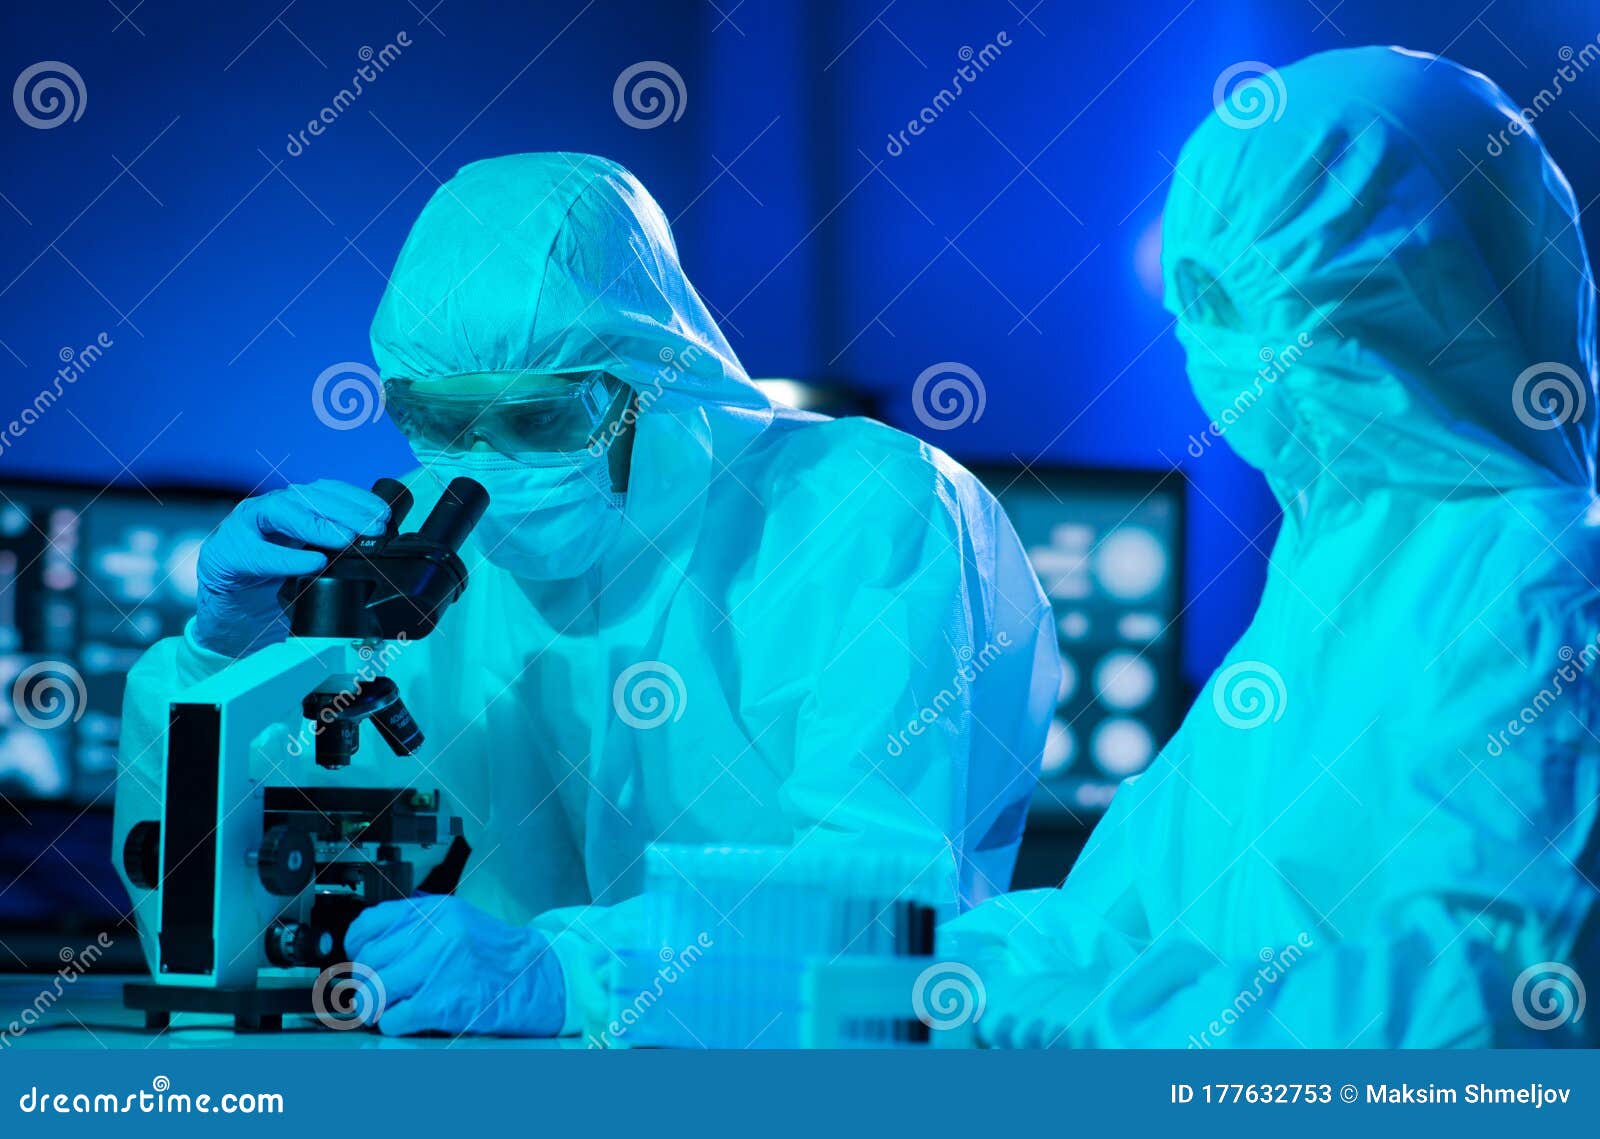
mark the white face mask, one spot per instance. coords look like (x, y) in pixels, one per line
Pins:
(549, 519)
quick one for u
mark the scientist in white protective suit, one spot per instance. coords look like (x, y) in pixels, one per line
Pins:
(1376, 827)
(692, 616)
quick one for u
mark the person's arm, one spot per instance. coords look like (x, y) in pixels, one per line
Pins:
(1473, 964)
(1480, 915)
(890, 625)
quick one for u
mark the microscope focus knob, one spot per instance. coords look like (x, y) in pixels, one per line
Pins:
(141, 855)
(292, 944)
(286, 861)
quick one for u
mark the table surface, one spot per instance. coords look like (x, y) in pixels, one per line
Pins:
(89, 1014)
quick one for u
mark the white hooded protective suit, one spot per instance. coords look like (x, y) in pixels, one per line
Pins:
(1376, 825)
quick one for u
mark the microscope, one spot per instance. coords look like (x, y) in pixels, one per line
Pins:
(270, 842)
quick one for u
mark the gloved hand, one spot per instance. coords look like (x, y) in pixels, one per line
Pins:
(447, 966)
(243, 564)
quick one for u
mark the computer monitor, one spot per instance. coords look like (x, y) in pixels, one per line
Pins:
(1108, 548)
(89, 579)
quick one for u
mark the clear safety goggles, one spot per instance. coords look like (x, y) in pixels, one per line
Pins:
(514, 415)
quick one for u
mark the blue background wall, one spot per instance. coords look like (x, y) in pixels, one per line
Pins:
(229, 274)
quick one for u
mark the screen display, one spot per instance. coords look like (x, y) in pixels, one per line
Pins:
(88, 581)
(1108, 549)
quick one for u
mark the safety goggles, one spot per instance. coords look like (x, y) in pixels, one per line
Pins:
(514, 415)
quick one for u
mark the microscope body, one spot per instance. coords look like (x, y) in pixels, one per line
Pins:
(253, 832)
(271, 839)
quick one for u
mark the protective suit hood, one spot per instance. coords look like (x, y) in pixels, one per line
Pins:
(552, 263)
(1356, 273)
(564, 263)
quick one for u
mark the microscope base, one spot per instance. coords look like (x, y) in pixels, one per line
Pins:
(253, 1008)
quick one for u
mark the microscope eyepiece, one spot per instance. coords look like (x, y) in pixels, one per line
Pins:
(394, 493)
(395, 584)
(456, 513)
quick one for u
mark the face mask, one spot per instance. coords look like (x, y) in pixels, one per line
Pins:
(549, 518)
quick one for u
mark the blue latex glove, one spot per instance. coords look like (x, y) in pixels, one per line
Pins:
(243, 564)
(447, 966)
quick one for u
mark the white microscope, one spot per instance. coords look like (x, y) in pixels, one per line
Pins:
(261, 858)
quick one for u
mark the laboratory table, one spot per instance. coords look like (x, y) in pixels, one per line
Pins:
(89, 1014)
